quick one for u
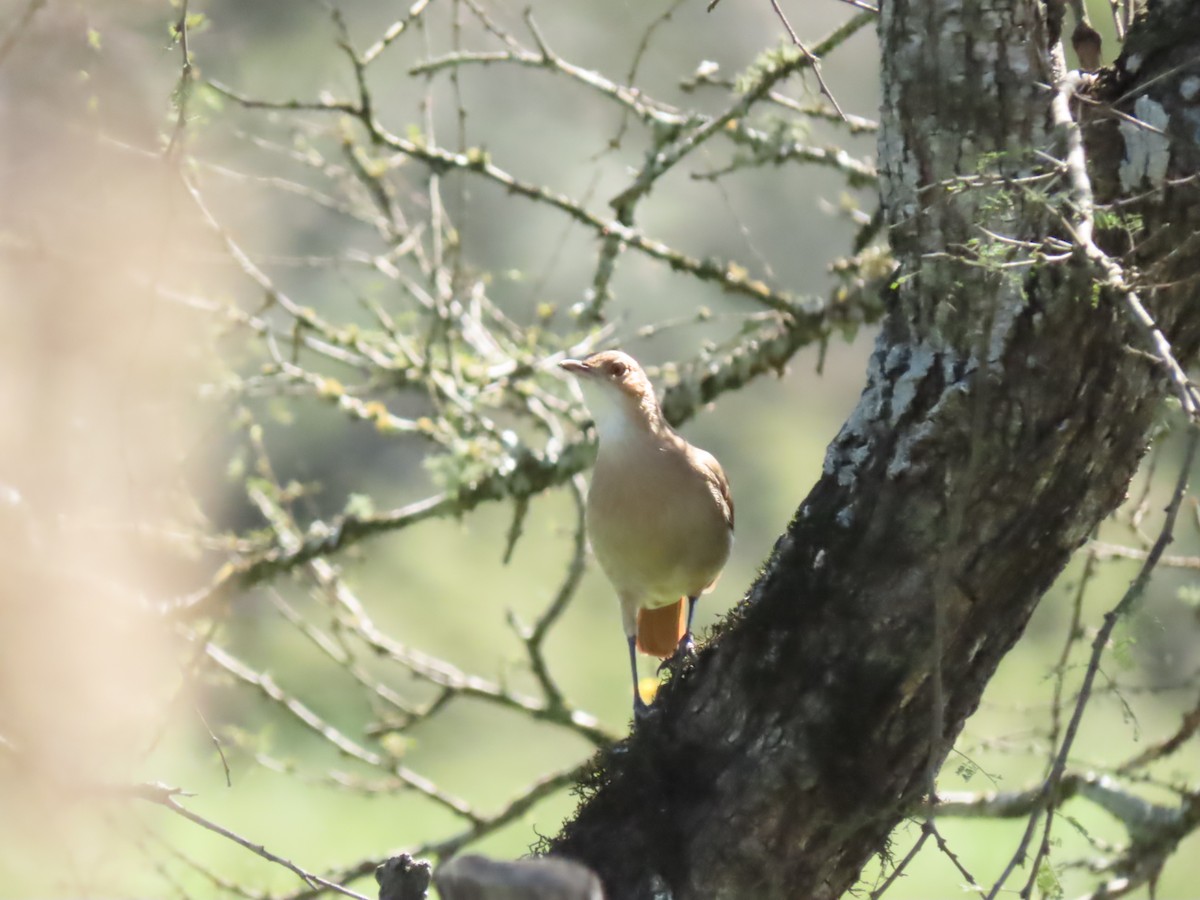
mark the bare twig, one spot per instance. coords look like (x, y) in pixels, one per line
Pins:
(760, 353)
(164, 796)
(926, 833)
(183, 89)
(18, 28)
(534, 637)
(814, 62)
(1104, 550)
(954, 859)
(1073, 635)
(1082, 225)
(1188, 727)
(394, 31)
(526, 799)
(666, 158)
(1099, 645)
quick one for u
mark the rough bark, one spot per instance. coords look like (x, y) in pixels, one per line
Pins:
(1003, 417)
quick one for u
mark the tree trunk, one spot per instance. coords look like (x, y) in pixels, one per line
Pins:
(1003, 417)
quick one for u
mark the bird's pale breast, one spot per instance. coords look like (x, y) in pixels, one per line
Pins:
(657, 523)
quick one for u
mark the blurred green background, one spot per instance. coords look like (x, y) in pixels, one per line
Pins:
(93, 82)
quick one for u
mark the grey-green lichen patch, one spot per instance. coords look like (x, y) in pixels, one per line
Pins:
(920, 361)
(921, 433)
(1147, 149)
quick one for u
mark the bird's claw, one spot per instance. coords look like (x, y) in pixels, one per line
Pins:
(685, 650)
(641, 710)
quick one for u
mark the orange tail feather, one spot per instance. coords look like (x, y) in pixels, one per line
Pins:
(659, 630)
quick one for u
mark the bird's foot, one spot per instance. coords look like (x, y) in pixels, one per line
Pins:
(685, 650)
(641, 710)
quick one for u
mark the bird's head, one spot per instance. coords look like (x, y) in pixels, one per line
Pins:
(617, 392)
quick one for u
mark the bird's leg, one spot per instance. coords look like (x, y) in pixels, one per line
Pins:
(640, 709)
(686, 646)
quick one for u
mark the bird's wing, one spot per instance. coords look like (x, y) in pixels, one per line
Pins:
(716, 479)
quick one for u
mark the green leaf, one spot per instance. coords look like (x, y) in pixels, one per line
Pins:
(1047, 882)
(360, 506)
(1189, 595)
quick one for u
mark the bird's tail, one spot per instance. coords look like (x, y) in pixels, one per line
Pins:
(659, 630)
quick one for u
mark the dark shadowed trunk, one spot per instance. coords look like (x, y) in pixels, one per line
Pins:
(1007, 405)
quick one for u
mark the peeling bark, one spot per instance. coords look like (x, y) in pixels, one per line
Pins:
(1002, 420)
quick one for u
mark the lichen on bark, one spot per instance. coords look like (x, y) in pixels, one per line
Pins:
(1002, 420)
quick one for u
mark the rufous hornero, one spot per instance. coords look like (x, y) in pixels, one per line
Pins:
(659, 512)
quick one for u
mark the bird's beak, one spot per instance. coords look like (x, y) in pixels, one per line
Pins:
(575, 366)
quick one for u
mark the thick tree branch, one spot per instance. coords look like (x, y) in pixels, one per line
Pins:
(1001, 385)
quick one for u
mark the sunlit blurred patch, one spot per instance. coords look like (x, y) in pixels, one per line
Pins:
(648, 688)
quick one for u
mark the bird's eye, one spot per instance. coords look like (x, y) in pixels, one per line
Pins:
(616, 368)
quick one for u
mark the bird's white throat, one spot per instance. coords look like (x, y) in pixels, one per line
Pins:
(617, 418)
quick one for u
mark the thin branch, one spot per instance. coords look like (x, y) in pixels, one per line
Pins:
(1003, 804)
(814, 62)
(636, 62)
(354, 617)
(444, 675)
(215, 879)
(1073, 636)
(1082, 227)
(19, 26)
(1104, 550)
(649, 111)
(766, 151)
(706, 75)
(954, 859)
(1185, 390)
(666, 158)
(533, 638)
(1099, 645)
(728, 275)
(347, 529)
(762, 352)
(616, 232)
(247, 102)
(341, 656)
(394, 31)
(326, 731)
(926, 833)
(164, 796)
(183, 89)
(1187, 728)
(525, 801)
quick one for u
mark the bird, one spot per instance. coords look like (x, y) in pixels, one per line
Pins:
(659, 512)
